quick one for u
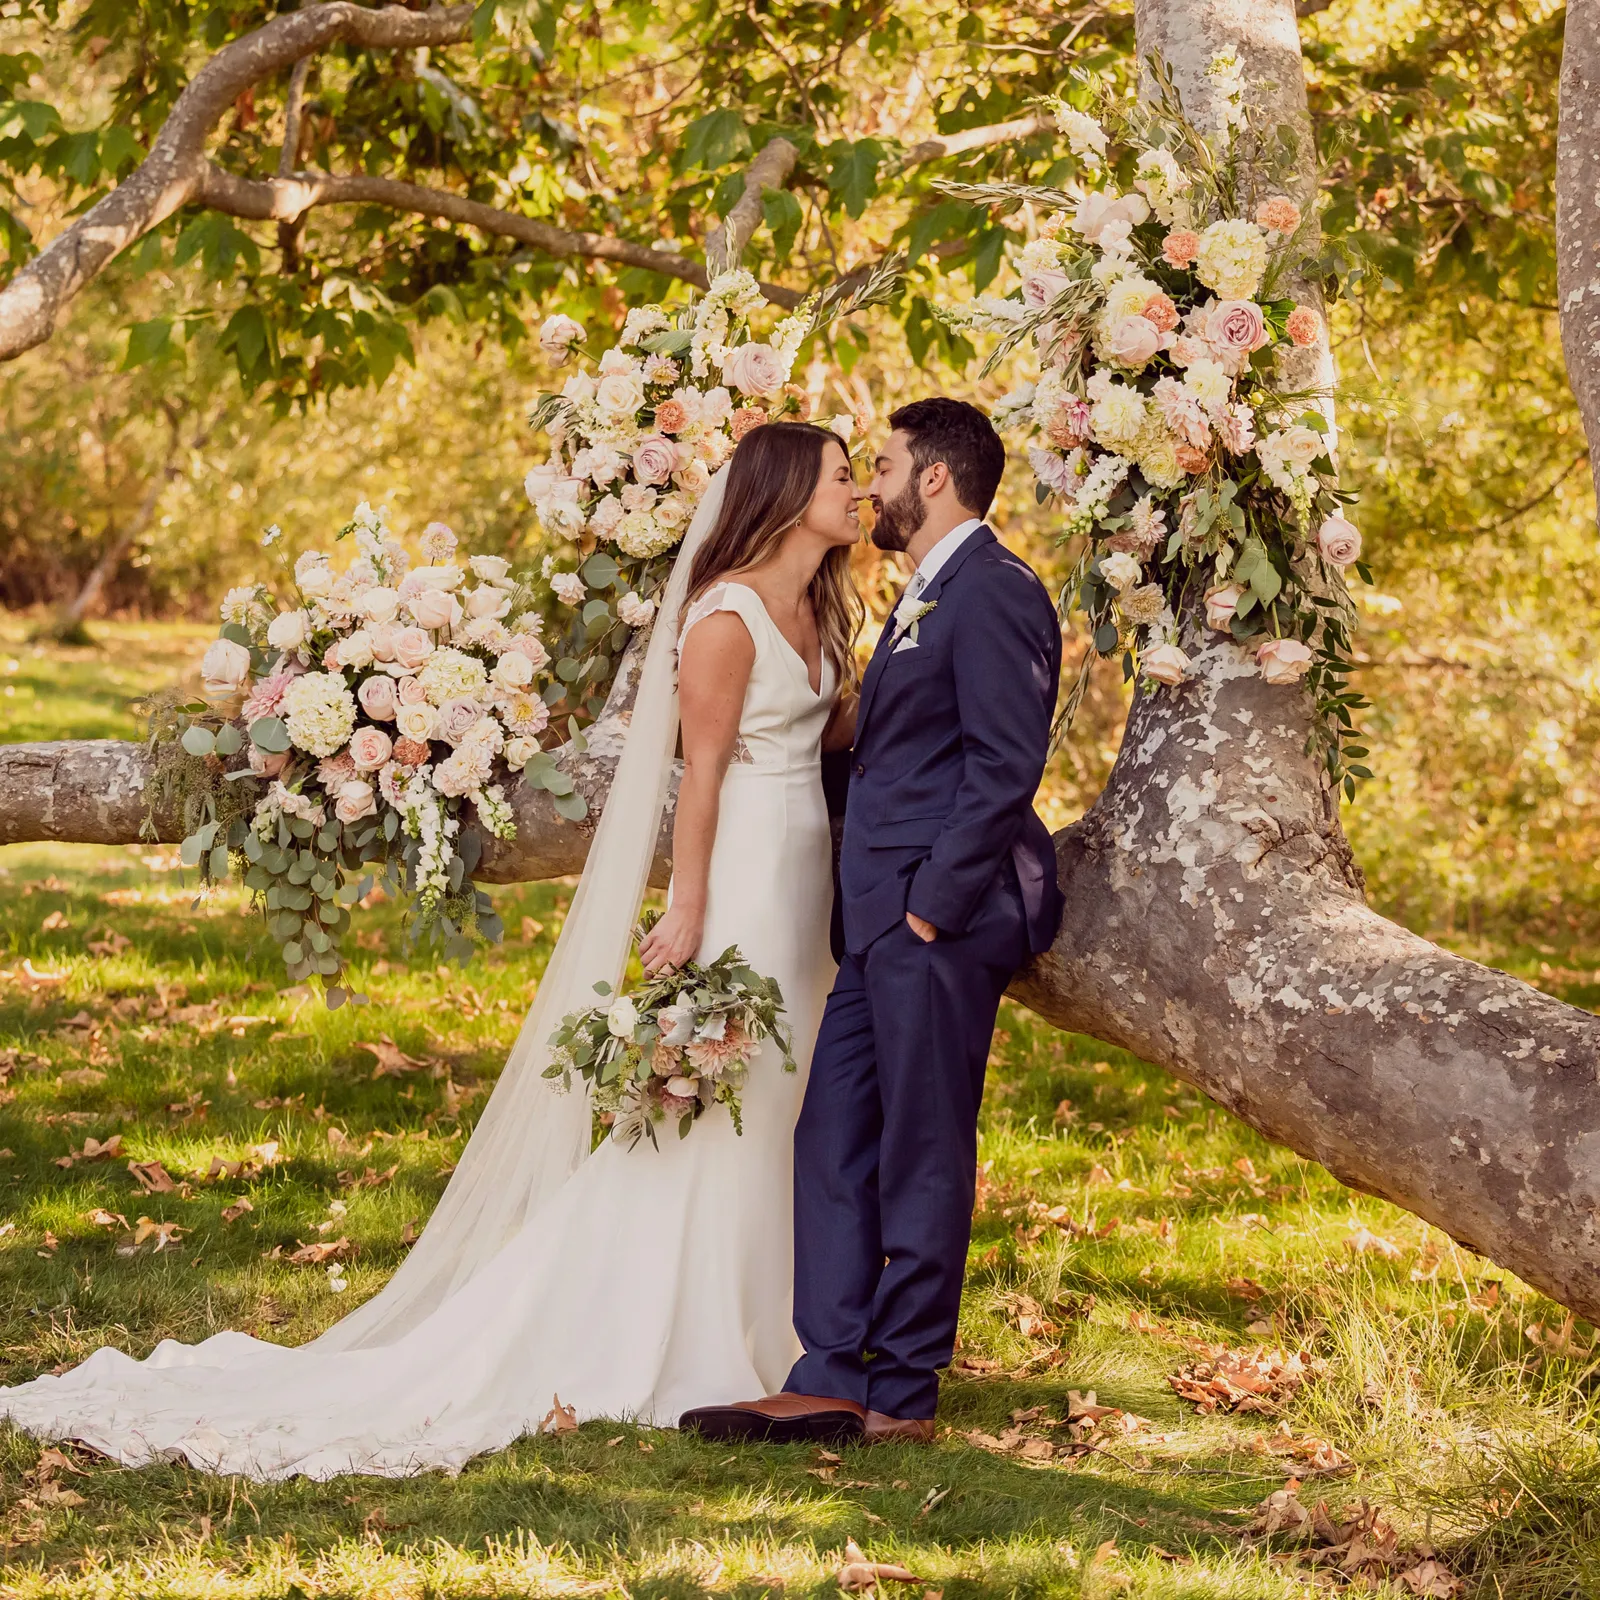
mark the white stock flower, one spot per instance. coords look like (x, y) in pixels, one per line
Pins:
(1085, 136)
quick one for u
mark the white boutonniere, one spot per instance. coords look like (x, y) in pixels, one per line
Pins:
(907, 615)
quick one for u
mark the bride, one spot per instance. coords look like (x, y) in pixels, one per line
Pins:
(632, 1283)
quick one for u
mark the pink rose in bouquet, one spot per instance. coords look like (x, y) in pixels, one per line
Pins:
(1339, 541)
(457, 718)
(378, 697)
(412, 647)
(756, 369)
(1283, 660)
(370, 748)
(1133, 341)
(355, 800)
(409, 692)
(655, 458)
(434, 608)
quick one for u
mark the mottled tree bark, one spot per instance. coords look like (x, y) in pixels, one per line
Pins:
(1578, 215)
(1215, 921)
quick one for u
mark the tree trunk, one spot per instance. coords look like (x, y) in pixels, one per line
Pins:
(1578, 216)
(1215, 922)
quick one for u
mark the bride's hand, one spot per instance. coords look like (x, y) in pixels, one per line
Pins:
(674, 940)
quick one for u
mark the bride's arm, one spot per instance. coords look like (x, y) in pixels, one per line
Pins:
(713, 673)
(840, 732)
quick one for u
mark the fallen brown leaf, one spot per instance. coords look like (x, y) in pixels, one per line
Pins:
(102, 1218)
(1243, 1380)
(164, 1233)
(152, 1177)
(559, 1418)
(236, 1210)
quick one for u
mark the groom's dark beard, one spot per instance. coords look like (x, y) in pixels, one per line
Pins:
(899, 519)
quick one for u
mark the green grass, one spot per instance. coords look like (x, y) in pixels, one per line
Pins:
(1174, 1229)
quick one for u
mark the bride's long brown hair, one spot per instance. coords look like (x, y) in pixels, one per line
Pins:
(773, 475)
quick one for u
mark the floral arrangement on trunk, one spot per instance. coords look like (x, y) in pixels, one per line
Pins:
(1198, 482)
(634, 441)
(680, 1043)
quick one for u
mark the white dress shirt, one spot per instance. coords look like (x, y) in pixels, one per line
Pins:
(929, 567)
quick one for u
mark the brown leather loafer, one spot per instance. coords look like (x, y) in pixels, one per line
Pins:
(880, 1429)
(777, 1419)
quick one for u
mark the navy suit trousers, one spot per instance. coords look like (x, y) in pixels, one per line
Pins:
(886, 1157)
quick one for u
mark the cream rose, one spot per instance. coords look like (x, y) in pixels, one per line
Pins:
(225, 667)
(378, 698)
(654, 458)
(370, 748)
(1166, 663)
(558, 335)
(1221, 604)
(489, 569)
(1283, 660)
(619, 394)
(1120, 570)
(1339, 541)
(487, 601)
(410, 692)
(1300, 444)
(756, 369)
(416, 722)
(513, 670)
(289, 630)
(379, 605)
(355, 650)
(694, 478)
(433, 609)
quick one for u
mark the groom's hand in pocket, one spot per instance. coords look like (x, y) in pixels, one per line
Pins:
(920, 926)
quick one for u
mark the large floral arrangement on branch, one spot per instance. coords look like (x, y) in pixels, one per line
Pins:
(1199, 481)
(377, 709)
(635, 435)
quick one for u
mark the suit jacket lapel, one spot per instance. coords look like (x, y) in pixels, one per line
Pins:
(880, 656)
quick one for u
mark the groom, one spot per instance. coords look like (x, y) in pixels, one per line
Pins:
(948, 886)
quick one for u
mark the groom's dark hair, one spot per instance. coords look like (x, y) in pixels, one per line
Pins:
(951, 431)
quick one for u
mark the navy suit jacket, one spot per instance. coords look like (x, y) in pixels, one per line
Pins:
(951, 740)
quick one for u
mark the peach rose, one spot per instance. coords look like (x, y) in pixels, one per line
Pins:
(383, 637)
(1304, 326)
(531, 646)
(225, 668)
(267, 766)
(378, 698)
(1339, 541)
(409, 692)
(1221, 603)
(1166, 663)
(411, 648)
(1181, 247)
(1283, 660)
(356, 799)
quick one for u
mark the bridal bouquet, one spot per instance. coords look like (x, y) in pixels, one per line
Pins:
(374, 707)
(1194, 477)
(681, 1042)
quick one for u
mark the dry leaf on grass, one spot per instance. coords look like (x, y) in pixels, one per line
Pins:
(392, 1061)
(1310, 1453)
(1243, 1380)
(858, 1574)
(164, 1233)
(236, 1210)
(111, 943)
(559, 1418)
(102, 1218)
(152, 1177)
(1361, 1546)
(315, 1254)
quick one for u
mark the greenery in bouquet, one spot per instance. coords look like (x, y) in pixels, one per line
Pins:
(635, 436)
(358, 730)
(1199, 482)
(680, 1042)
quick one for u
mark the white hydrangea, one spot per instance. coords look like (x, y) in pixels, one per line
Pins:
(320, 712)
(641, 535)
(1232, 258)
(450, 674)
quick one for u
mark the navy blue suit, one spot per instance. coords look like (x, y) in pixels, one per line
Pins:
(951, 741)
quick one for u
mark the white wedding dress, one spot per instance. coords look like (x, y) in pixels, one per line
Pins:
(646, 1282)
